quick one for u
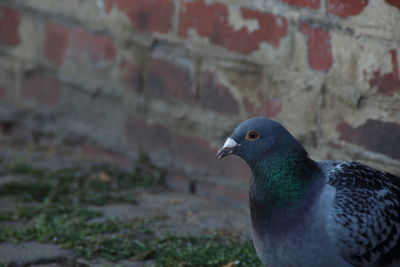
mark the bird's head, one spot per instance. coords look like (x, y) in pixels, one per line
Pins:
(253, 139)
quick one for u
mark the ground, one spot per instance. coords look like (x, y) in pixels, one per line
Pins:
(58, 210)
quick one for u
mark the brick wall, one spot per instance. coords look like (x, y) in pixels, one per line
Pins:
(171, 78)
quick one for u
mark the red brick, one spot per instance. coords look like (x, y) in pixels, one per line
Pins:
(169, 80)
(374, 135)
(272, 27)
(9, 24)
(145, 15)
(186, 150)
(212, 21)
(270, 107)
(395, 3)
(43, 89)
(179, 182)
(71, 43)
(222, 192)
(19, 134)
(346, 8)
(199, 153)
(234, 167)
(194, 151)
(146, 137)
(3, 92)
(319, 47)
(313, 4)
(389, 83)
(104, 155)
(132, 76)
(216, 96)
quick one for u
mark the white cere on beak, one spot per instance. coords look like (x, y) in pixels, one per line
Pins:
(229, 143)
(227, 148)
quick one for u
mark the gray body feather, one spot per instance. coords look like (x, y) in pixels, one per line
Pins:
(352, 221)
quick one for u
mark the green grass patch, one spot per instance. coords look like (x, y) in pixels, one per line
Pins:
(56, 202)
(112, 239)
(97, 186)
(205, 251)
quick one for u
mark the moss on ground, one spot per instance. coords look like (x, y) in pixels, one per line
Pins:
(56, 204)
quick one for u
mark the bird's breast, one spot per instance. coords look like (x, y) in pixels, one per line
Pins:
(302, 240)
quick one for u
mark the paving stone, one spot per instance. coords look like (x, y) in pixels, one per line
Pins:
(42, 159)
(54, 264)
(7, 205)
(125, 211)
(15, 224)
(197, 212)
(180, 213)
(15, 178)
(104, 263)
(30, 252)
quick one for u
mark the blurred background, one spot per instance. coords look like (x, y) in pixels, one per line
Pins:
(112, 111)
(110, 80)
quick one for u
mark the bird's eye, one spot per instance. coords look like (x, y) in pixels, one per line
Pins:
(252, 135)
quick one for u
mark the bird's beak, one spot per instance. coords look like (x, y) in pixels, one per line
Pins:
(227, 148)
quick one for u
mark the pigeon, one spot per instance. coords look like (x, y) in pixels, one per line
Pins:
(315, 213)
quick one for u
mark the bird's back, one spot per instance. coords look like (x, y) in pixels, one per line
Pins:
(364, 220)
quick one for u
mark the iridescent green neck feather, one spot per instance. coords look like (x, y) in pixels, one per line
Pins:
(282, 182)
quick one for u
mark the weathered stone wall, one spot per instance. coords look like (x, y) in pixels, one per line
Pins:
(172, 78)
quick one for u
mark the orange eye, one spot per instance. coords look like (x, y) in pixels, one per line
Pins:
(252, 135)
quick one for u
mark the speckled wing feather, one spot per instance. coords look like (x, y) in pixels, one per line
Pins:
(365, 219)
